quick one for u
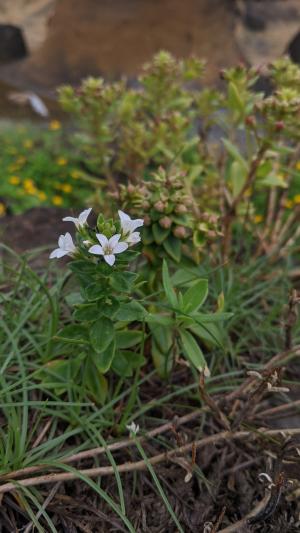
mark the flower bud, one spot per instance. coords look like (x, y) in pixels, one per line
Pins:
(180, 209)
(250, 121)
(130, 188)
(165, 222)
(279, 125)
(147, 220)
(180, 232)
(159, 206)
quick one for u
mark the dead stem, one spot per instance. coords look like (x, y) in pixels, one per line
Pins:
(141, 465)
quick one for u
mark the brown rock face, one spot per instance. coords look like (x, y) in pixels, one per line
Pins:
(113, 38)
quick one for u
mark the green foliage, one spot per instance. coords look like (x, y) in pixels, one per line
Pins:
(39, 168)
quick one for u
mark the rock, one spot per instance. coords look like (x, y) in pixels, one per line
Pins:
(294, 49)
(101, 37)
(266, 28)
(12, 44)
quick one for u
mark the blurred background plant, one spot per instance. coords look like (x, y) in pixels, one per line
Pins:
(39, 168)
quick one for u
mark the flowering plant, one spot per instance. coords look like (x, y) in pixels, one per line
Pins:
(106, 319)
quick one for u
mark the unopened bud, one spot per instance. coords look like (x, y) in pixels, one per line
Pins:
(159, 206)
(250, 120)
(165, 222)
(279, 125)
(145, 205)
(147, 220)
(180, 232)
(181, 209)
(130, 188)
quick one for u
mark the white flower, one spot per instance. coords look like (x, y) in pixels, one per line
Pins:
(65, 247)
(133, 428)
(129, 226)
(109, 247)
(81, 220)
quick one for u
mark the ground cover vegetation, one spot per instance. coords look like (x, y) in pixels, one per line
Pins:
(151, 382)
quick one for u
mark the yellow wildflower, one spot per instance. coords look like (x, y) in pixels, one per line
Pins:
(296, 199)
(29, 186)
(258, 219)
(14, 180)
(288, 204)
(2, 209)
(28, 183)
(28, 143)
(54, 125)
(61, 161)
(248, 192)
(41, 195)
(298, 165)
(75, 174)
(57, 200)
(66, 187)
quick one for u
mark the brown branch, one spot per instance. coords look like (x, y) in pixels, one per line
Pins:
(238, 525)
(141, 465)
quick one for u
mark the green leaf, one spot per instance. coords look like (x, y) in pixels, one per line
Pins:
(95, 382)
(163, 362)
(131, 311)
(235, 154)
(172, 245)
(163, 320)
(101, 334)
(159, 233)
(210, 333)
(73, 332)
(192, 350)
(82, 267)
(86, 312)
(123, 281)
(128, 338)
(211, 317)
(238, 176)
(195, 296)
(163, 337)
(168, 287)
(104, 359)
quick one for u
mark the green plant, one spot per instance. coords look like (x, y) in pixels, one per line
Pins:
(38, 168)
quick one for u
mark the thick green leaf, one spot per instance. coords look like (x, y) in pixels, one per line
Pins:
(123, 281)
(195, 296)
(101, 334)
(163, 320)
(172, 245)
(163, 362)
(128, 338)
(168, 287)
(104, 359)
(73, 332)
(235, 154)
(86, 312)
(95, 382)
(192, 350)
(163, 337)
(238, 177)
(159, 233)
(130, 311)
(209, 333)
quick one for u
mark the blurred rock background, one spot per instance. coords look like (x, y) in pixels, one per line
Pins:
(66, 40)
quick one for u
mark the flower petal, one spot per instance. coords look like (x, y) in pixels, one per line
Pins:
(136, 224)
(110, 259)
(58, 253)
(114, 240)
(134, 238)
(102, 239)
(96, 249)
(68, 243)
(120, 247)
(84, 215)
(71, 219)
